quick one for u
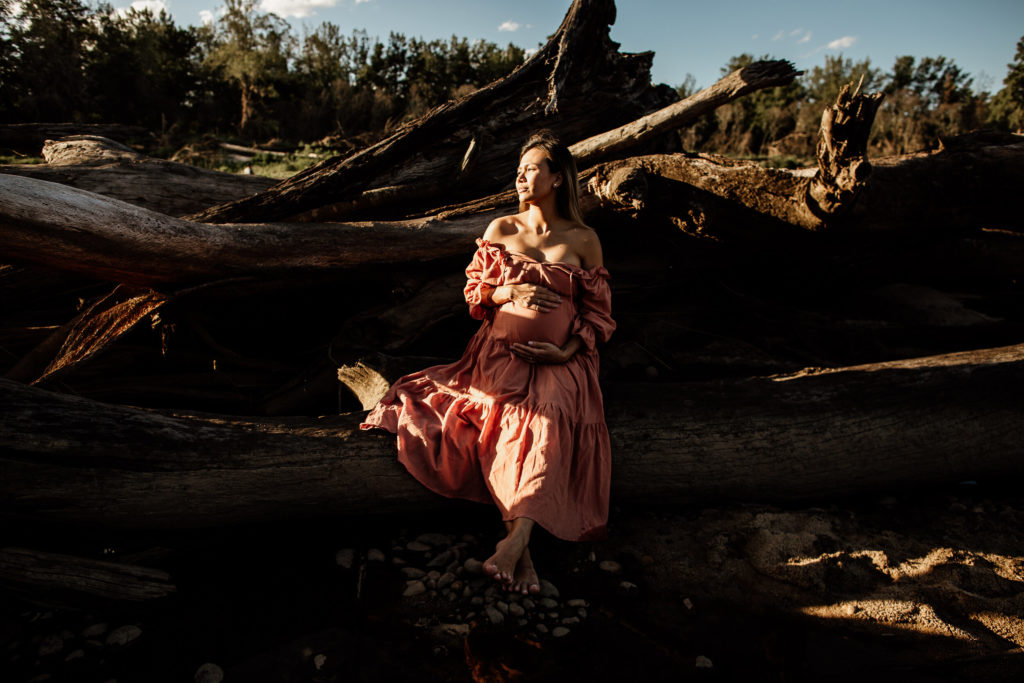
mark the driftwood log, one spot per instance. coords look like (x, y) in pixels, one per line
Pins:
(114, 170)
(814, 434)
(60, 576)
(27, 138)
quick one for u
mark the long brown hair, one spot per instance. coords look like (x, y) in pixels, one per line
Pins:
(560, 160)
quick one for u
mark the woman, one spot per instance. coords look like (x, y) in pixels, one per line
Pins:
(519, 420)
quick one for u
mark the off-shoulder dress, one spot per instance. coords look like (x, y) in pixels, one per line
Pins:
(491, 427)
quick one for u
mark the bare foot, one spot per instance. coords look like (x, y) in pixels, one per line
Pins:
(525, 580)
(501, 566)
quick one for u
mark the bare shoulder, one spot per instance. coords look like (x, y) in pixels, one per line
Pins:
(501, 228)
(587, 244)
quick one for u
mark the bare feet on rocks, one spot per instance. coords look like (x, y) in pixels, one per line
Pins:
(511, 564)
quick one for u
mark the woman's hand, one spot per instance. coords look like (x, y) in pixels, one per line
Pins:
(537, 297)
(545, 352)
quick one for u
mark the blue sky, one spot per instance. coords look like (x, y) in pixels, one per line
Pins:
(693, 37)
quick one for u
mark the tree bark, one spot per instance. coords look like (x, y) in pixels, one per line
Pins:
(469, 146)
(958, 188)
(28, 138)
(74, 230)
(57, 574)
(810, 435)
(113, 170)
(757, 76)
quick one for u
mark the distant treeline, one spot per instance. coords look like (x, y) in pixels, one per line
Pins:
(924, 99)
(247, 74)
(61, 60)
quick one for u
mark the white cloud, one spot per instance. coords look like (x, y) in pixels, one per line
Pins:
(154, 6)
(795, 32)
(295, 8)
(206, 16)
(779, 36)
(842, 43)
(753, 37)
(359, 2)
(510, 26)
(806, 38)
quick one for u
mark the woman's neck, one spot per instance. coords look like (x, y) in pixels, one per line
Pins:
(543, 215)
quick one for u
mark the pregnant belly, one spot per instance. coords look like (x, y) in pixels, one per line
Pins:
(513, 323)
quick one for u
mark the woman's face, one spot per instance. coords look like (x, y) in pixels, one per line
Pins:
(534, 179)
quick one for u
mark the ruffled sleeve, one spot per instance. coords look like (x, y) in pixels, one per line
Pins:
(593, 321)
(483, 274)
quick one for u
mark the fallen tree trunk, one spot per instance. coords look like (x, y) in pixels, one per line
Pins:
(74, 230)
(57, 575)
(756, 76)
(105, 167)
(704, 195)
(28, 138)
(960, 188)
(812, 435)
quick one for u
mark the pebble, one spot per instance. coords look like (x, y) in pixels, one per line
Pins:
(628, 587)
(95, 630)
(703, 663)
(541, 628)
(647, 561)
(413, 588)
(516, 610)
(502, 606)
(582, 612)
(610, 567)
(467, 592)
(319, 661)
(495, 616)
(473, 566)
(124, 635)
(559, 631)
(578, 602)
(442, 559)
(528, 603)
(476, 601)
(417, 547)
(345, 558)
(375, 555)
(74, 654)
(592, 557)
(209, 673)
(413, 572)
(547, 589)
(522, 622)
(50, 645)
(397, 560)
(434, 575)
(445, 580)
(571, 620)
(548, 603)
(433, 539)
(687, 603)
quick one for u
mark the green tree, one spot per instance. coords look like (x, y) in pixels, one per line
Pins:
(45, 51)
(822, 83)
(141, 68)
(1007, 109)
(250, 50)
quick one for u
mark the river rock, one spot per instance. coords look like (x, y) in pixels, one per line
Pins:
(50, 644)
(559, 631)
(434, 540)
(548, 589)
(578, 602)
(375, 555)
(413, 588)
(413, 573)
(610, 567)
(495, 617)
(548, 603)
(473, 565)
(345, 558)
(95, 630)
(703, 663)
(124, 635)
(209, 673)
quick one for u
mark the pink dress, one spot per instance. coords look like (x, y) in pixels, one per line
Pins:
(493, 428)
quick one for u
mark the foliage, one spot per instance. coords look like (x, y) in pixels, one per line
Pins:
(1007, 108)
(61, 60)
